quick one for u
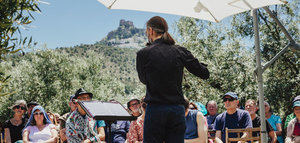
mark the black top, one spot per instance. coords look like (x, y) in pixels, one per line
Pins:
(160, 67)
(256, 123)
(15, 131)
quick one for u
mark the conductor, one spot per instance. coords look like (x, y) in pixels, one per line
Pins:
(160, 67)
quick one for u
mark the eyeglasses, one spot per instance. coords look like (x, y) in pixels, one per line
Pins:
(193, 108)
(135, 104)
(18, 107)
(38, 113)
(228, 99)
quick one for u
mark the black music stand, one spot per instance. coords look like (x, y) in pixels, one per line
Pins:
(108, 111)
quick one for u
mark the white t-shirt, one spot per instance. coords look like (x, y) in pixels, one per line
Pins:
(35, 135)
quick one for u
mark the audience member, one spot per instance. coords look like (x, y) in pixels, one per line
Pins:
(30, 106)
(119, 130)
(52, 118)
(135, 133)
(62, 129)
(1, 132)
(62, 120)
(79, 126)
(192, 106)
(13, 127)
(196, 125)
(293, 129)
(134, 107)
(212, 113)
(72, 107)
(252, 108)
(232, 118)
(274, 121)
(291, 116)
(39, 127)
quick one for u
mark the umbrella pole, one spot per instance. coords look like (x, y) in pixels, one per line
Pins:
(259, 78)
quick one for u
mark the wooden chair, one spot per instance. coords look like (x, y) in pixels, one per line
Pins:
(241, 131)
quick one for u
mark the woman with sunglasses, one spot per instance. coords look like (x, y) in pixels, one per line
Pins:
(39, 127)
(135, 133)
(13, 127)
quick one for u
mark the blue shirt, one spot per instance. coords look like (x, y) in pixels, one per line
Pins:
(239, 120)
(119, 129)
(191, 130)
(210, 121)
(273, 120)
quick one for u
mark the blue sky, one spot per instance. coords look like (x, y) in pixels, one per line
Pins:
(65, 23)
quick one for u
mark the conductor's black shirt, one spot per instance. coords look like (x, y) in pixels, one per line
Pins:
(160, 68)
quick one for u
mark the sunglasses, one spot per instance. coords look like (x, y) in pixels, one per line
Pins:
(38, 113)
(18, 107)
(228, 99)
(84, 98)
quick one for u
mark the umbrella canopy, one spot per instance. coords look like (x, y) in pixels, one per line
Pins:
(211, 10)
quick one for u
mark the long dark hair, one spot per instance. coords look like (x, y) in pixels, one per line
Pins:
(160, 26)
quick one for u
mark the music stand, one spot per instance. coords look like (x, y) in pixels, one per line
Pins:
(108, 111)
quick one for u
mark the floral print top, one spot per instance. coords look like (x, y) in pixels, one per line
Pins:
(80, 128)
(135, 133)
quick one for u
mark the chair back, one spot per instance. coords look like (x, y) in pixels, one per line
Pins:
(241, 131)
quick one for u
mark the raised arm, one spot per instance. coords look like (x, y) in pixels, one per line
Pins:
(192, 64)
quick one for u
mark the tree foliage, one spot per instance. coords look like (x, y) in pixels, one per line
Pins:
(15, 15)
(228, 50)
(49, 77)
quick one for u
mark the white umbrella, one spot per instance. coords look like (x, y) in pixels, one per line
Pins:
(215, 11)
(211, 10)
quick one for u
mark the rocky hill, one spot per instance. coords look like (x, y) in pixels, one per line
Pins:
(125, 36)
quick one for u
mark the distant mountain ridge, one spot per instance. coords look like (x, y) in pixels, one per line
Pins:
(125, 36)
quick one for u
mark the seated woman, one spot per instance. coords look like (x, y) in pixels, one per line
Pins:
(39, 128)
(275, 122)
(13, 127)
(196, 126)
(135, 134)
(293, 129)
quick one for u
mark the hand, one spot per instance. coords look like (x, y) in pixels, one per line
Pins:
(203, 64)
(62, 134)
(86, 141)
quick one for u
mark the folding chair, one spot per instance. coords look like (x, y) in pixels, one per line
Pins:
(241, 131)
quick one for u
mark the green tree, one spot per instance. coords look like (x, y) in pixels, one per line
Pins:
(14, 15)
(281, 80)
(230, 63)
(51, 76)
